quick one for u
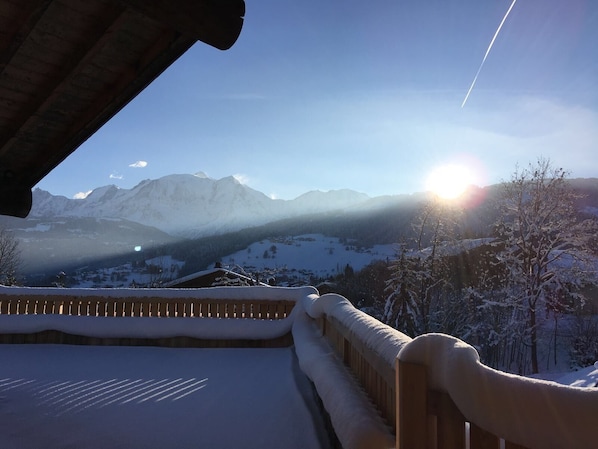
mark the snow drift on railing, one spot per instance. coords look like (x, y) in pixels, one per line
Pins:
(533, 413)
(233, 293)
(148, 327)
(378, 337)
(354, 418)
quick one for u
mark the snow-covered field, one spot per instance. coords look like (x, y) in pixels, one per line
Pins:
(59, 396)
(165, 268)
(584, 377)
(313, 254)
(292, 260)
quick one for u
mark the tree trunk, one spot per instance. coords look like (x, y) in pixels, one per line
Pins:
(556, 322)
(534, 339)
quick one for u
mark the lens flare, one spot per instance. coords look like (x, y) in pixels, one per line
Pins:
(449, 181)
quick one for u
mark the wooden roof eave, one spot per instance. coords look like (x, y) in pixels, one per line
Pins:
(43, 118)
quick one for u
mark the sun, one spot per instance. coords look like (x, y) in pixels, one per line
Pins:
(449, 181)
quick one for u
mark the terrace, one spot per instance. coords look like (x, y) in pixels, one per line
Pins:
(377, 387)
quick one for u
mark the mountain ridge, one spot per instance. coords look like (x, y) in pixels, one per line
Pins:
(62, 233)
(191, 205)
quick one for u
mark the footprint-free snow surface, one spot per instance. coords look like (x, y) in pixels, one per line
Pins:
(59, 396)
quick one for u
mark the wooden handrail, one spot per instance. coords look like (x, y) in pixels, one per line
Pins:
(429, 419)
(503, 411)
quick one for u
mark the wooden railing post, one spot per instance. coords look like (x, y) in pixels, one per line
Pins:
(450, 423)
(412, 399)
(479, 438)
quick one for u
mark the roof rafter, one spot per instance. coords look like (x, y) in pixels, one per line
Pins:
(55, 84)
(22, 24)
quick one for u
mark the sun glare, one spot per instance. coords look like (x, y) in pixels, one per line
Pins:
(449, 181)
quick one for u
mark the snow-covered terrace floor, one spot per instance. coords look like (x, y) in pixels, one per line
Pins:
(64, 396)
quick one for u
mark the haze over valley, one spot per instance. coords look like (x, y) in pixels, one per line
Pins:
(200, 220)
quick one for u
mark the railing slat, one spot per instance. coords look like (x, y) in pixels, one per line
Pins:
(22, 306)
(481, 439)
(136, 308)
(110, 308)
(120, 308)
(13, 307)
(412, 402)
(163, 308)
(450, 424)
(195, 308)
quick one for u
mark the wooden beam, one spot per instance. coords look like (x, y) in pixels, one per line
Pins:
(49, 90)
(214, 22)
(30, 11)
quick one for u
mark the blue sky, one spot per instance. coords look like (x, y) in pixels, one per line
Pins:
(322, 95)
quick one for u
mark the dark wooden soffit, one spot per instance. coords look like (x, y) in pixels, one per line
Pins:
(68, 66)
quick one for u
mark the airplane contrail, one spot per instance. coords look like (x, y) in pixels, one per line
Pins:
(488, 51)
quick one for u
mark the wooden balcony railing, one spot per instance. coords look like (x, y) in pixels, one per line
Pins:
(448, 399)
(376, 376)
(445, 398)
(34, 315)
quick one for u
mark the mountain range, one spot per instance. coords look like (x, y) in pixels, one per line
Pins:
(191, 206)
(195, 215)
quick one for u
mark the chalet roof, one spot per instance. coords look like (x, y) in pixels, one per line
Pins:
(67, 66)
(207, 277)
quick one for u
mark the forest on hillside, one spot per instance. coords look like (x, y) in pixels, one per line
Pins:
(526, 297)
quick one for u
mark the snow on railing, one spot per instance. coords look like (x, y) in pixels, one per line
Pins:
(362, 405)
(442, 378)
(445, 398)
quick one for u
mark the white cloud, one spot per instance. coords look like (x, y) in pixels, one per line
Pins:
(81, 195)
(116, 176)
(138, 164)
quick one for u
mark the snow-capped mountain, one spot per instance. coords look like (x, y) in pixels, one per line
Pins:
(190, 205)
(317, 201)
